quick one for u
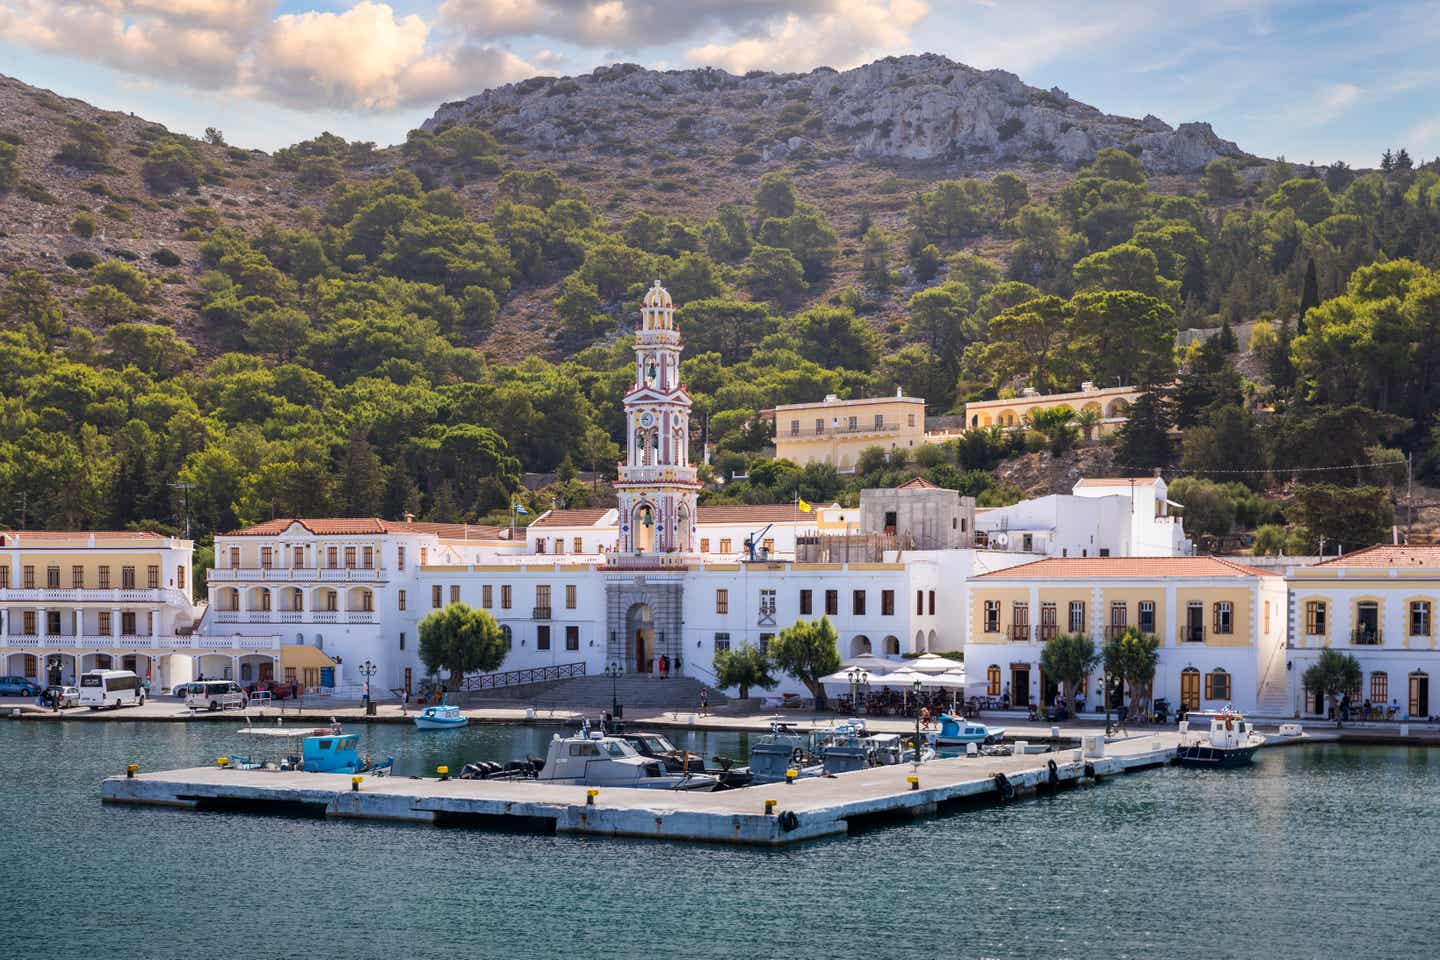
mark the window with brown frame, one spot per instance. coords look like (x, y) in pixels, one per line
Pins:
(504, 596)
(887, 603)
(722, 601)
(1217, 685)
(806, 603)
(437, 596)
(857, 603)
(1224, 618)
(832, 603)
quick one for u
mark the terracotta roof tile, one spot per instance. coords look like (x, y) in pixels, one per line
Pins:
(37, 537)
(570, 518)
(754, 513)
(1114, 481)
(1388, 555)
(1089, 568)
(367, 526)
(918, 483)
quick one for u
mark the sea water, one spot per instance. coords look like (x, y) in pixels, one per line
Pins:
(1315, 852)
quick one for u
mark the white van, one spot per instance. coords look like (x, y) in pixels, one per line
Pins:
(215, 695)
(110, 688)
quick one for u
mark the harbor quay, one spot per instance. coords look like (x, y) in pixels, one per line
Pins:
(768, 815)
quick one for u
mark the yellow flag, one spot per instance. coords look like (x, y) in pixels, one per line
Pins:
(803, 505)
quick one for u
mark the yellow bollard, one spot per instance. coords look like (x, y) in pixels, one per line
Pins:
(590, 796)
(444, 772)
(914, 782)
(791, 774)
(769, 808)
(355, 784)
(222, 761)
(131, 770)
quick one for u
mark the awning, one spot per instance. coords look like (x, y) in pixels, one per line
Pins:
(302, 656)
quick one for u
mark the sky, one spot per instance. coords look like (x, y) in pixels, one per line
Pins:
(1312, 80)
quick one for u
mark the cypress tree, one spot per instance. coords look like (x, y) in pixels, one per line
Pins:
(1144, 441)
(1309, 296)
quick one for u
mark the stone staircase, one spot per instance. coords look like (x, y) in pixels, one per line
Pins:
(1274, 702)
(635, 690)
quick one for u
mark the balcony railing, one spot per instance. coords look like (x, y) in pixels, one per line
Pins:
(295, 574)
(1191, 634)
(540, 613)
(1366, 636)
(1114, 631)
(40, 595)
(1049, 631)
(1020, 631)
(160, 642)
(294, 616)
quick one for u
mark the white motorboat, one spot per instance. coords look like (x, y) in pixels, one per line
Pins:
(595, 760)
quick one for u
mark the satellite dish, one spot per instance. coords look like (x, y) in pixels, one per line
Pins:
(1000, 539)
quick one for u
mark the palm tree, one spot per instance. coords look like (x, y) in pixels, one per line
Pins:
(1088, 419)
(1335, 673)
(1069, 657)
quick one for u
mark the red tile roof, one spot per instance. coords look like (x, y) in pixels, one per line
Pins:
(37, 537)
(1090, 568)
(918, 483)
(1387, 555)
(570, 518)
(1114, 481)
(754, 513)
(369, 526)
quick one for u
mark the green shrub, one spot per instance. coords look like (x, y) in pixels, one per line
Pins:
(83, 224)
(166, 257)
(116, 212)
(81, 260)
(172, 165)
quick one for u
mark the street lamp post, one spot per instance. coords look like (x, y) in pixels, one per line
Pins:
(915, 686)
(613, 671)
(855, 676)
(1105, 695)
(368, 671)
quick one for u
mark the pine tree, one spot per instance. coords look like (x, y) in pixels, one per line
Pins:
(1387, 160)
(1144, 441)
(1226, 337)
(1403, 163)
(1282, 367)
(1309, 296)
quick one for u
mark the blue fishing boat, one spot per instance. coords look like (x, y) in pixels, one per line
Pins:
(321, 750)
(442, 716)
(957, 732)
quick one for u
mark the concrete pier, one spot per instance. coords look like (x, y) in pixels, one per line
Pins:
(803, 810)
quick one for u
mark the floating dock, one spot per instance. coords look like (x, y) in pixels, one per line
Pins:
(803, 810)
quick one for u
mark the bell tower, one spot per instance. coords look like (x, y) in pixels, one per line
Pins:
(657, 485)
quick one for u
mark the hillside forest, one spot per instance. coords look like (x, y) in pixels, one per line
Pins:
(324, 361)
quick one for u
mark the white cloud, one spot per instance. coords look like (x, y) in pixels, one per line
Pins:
(364, 58)
(841, 35)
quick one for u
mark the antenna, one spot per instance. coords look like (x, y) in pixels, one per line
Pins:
(184, 489)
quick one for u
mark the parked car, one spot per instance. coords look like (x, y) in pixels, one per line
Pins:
(17, 687)
(215, 695)
(183, 690)
(64, 696)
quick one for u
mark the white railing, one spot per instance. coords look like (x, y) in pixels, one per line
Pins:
(360, 616)
(295, 574)
(91, 595)
(162, 642)
(325, 616)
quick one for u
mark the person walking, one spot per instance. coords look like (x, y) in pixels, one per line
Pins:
(405, 702)
(704, 702)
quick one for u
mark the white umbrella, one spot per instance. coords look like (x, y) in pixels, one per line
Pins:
(931, 663)
(949, 681)
(842, 677)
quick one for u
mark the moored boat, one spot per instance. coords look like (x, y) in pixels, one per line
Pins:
(312, 750)
(441, 716)
(957, 732)
(596, 760)
(783, 750)
(1231, 741)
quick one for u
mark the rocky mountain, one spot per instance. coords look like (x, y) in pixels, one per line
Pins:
(927, 109)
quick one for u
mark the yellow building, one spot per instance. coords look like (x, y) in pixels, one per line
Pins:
(834, 431)
(84, 600)
(1221, 626)
(1377, 605)
(1111, 405)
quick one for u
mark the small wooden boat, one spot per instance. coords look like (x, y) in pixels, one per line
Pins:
(1230, 741)
(442, 716)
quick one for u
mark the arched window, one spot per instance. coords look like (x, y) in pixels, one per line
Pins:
(860, 646)
(1217, 685)
(1190, 689)
(992, 680)
(1379, 687)
(506, 635)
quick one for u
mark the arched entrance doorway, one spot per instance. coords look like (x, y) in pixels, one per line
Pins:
(860, 646)
(640, 637)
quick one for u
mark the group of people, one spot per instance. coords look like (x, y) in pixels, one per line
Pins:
(1368, 710)
(900, 703)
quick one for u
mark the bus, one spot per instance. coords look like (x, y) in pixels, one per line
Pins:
(110, 688)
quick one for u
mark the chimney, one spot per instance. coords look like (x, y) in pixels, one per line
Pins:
(409, 518)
